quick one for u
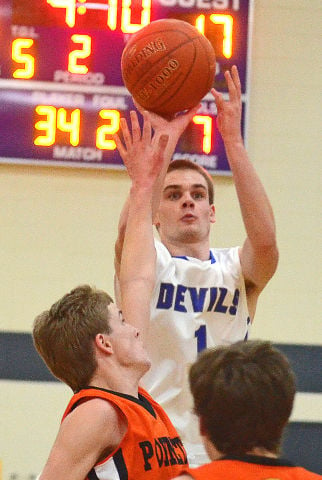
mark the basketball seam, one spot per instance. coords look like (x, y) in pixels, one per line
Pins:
(159, 105)
(188, 40)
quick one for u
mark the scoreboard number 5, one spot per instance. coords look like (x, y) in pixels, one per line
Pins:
(27, 60)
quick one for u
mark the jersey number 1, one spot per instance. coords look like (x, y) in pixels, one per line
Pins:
(201, 335)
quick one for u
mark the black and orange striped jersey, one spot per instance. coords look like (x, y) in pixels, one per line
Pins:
(151, 447)
(251, 467)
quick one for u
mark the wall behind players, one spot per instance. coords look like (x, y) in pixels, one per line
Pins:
(58, 225)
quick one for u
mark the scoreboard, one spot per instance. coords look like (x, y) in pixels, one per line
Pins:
(61, 89)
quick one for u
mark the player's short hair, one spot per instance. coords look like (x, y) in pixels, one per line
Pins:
(243, 395)
(64, 335)
(183, 164)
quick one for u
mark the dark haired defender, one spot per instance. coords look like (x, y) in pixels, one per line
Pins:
(243, 397)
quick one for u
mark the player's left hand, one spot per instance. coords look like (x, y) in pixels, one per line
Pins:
(229, 112)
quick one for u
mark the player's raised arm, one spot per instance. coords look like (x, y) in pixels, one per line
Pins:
(259, 254)
(173, 129)
(143, 157)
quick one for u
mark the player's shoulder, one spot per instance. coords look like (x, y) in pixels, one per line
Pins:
(98, 422)
(226, 254)
(163, 256)
(160, 247)
(97, 409)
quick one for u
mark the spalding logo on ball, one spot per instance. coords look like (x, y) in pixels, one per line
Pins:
(168, 66)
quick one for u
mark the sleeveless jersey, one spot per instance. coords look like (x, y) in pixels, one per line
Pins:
(259, 468)
(151, 447)
(195, 304)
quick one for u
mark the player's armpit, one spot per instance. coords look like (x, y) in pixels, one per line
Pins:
(258, 265)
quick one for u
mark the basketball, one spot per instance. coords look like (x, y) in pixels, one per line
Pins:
(168, 66)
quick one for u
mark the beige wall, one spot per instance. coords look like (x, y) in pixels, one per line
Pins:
(58, 225)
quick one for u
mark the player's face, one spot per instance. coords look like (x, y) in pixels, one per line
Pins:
(126, 341)
(185, 214)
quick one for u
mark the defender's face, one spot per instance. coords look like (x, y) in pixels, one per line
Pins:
(126, 341)
(184, 214)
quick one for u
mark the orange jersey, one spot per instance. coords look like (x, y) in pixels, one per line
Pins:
(151, 447)
(251, 467)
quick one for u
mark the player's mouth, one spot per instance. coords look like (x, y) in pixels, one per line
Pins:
(188, 217)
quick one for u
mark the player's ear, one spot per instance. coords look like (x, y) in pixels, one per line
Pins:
(103, 343)
(212, 214)
(156, 222)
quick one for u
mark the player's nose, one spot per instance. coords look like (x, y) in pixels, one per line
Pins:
(187, 201)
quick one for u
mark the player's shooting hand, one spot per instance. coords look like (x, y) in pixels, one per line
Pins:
(173, 126)
(141, 153)
(229, 112)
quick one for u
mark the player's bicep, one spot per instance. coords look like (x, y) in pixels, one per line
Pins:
(258, 266)
(117, 291)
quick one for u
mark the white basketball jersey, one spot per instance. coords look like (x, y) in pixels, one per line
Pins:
(196, 304)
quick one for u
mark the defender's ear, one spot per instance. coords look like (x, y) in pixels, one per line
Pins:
(103, 343)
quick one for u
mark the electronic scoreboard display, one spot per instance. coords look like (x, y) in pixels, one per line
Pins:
(61, 89)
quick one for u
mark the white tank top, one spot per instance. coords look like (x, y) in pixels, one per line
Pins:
(196, 304)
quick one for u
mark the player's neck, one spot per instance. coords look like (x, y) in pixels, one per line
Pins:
(198, 250)
(124, 382)
(262, 452)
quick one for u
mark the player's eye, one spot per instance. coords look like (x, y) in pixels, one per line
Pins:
(174, 195)
(198, 195)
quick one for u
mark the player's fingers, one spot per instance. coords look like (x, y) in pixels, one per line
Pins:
(147, 129)
(195, 108)
(236, 79)
(138, 106)
(163, 142)
(119, 144)
(161, 146)
(233, 95)
(126, 134)
(190, 113)
(218, 98)
(136, 131)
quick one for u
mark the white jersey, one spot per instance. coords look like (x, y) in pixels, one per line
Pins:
(195, 304)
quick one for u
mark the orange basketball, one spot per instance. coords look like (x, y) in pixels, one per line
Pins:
(168, 66)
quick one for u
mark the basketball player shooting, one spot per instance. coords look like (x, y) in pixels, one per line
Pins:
(204, 296)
